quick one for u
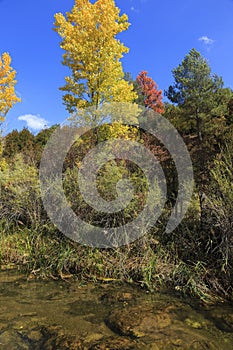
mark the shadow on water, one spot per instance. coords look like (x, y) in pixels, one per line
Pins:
(54, 315)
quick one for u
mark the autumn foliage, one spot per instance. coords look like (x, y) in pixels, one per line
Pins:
(93, 53)
(7, 85)
(149, 90)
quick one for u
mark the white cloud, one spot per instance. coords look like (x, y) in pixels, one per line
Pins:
(34, 122)
(133, 9)
(206, 40)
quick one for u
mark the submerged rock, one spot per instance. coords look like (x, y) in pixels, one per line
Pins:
(13, 341)
(115, 297)
(138, 322)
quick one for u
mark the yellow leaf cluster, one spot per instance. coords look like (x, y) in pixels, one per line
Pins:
(3, 164)
(117, 130)
(93, 53)
(7, 85)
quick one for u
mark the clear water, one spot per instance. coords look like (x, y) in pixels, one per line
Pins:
(43, 314)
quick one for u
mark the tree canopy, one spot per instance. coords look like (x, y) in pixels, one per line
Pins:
(93, 54)
(195, 91)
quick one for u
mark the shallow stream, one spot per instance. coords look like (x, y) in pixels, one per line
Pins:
(60, 315)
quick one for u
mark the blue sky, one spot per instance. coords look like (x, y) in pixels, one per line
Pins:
(160, 35)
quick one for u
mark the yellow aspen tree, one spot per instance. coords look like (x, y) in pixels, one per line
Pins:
(93, 54)
(96, 84)
(7, 93)
(7, 86)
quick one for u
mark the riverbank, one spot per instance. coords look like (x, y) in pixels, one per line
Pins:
(145, 263)
(195, 259)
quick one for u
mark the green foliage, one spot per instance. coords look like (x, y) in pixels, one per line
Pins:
(108, 176)
(25, 143)
(219, 209)
(19, 142)
(40, 140)
(200, 111)
(197, 257)
(199, 95)
(20, 194)
(230, 111)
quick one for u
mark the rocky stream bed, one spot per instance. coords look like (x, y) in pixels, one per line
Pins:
(65, 315)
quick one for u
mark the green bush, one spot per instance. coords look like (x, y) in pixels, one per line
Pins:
(20, 194)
